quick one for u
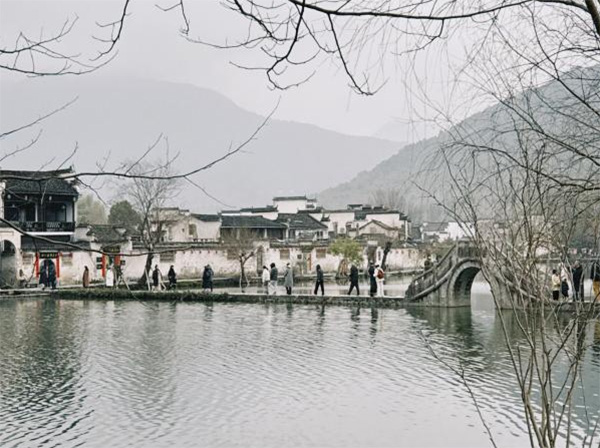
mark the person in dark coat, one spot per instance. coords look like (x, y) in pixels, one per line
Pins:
(372, 281)
(172, 276)
(207, 278)
(51, 275)
(86, 277)
(577, 273)
(319, 281)
(274, 275)
(44, 275)
(354, 280)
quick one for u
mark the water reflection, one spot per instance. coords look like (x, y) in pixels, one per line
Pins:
(194, 374)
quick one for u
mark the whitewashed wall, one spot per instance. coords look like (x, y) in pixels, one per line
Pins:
(189, 264)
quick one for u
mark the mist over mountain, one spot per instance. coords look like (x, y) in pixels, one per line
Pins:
(555, 110)
(115, 120)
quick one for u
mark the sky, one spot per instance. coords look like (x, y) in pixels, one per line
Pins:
(152, 47)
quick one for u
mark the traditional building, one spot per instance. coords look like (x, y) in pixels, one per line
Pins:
(35, 204)
(235, 227)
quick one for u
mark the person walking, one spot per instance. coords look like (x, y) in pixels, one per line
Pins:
(22, 279)
(266, 277)
(207, 278)
(273, 274)
(428, 264)
(380, 276)
(172, 276)
(372, 280)
(319, 282)
(577, 273)
(288, 279)
(52, 275)
(354, 280)
(156, 278)
(109, 278)
(86, 277)
(555, 282)
(595, 276)
(564, 282)
(44, 275)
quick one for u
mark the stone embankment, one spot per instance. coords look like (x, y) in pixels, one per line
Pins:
(223, 297)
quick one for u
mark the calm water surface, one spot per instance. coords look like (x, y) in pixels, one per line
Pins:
(161, 374)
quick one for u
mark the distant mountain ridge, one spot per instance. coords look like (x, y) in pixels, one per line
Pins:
(418, 169)
(116, 119)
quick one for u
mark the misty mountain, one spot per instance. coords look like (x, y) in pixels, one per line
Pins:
(556, 111)
(115, 120)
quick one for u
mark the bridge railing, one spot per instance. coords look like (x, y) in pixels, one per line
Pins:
(435, 276)
(432, 276)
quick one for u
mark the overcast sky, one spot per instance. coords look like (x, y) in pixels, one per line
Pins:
(153, 47)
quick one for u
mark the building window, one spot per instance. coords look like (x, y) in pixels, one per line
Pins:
(284, 254)
(192, 230)
(321, 252)
(232, 254)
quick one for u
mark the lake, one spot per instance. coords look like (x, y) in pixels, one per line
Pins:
(192, 374)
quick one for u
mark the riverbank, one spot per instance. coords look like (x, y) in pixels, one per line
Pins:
(224, 297)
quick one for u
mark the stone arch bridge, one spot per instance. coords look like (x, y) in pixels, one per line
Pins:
(448, 283)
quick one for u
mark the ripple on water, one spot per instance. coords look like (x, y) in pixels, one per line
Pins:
(159, 374)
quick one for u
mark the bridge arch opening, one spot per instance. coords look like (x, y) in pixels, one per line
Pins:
(463, 284)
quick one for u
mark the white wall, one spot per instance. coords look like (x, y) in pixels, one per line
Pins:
(341, 218)
(290, 206)
(189, 264)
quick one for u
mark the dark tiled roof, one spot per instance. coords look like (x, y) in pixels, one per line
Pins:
(38, 182)
(249, 222)
(378, 223)
(206, 218)
(59, 243)
(105, 233)
(296, 221)
(362, 214)
(268, 208)
(291, 198)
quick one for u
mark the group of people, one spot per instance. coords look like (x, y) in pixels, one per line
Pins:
(562, 279)
(48, 275)
(270, 278)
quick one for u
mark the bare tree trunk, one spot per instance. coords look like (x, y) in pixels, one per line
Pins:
(145, 279)
(386, 251)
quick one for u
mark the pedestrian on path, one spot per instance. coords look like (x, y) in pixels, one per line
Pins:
(266, 277)
(172, 276)
(555, 283)
(156, 278)
(577, 273)
(372, 280)
(86, 277)
(207, 278)
(380, 276)
(273, 277)
(354, 280)
(288, 279)
(319, 282)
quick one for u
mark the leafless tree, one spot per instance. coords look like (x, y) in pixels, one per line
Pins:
(391, 198)
(148, 195)
(240, 243)
(524, 221)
